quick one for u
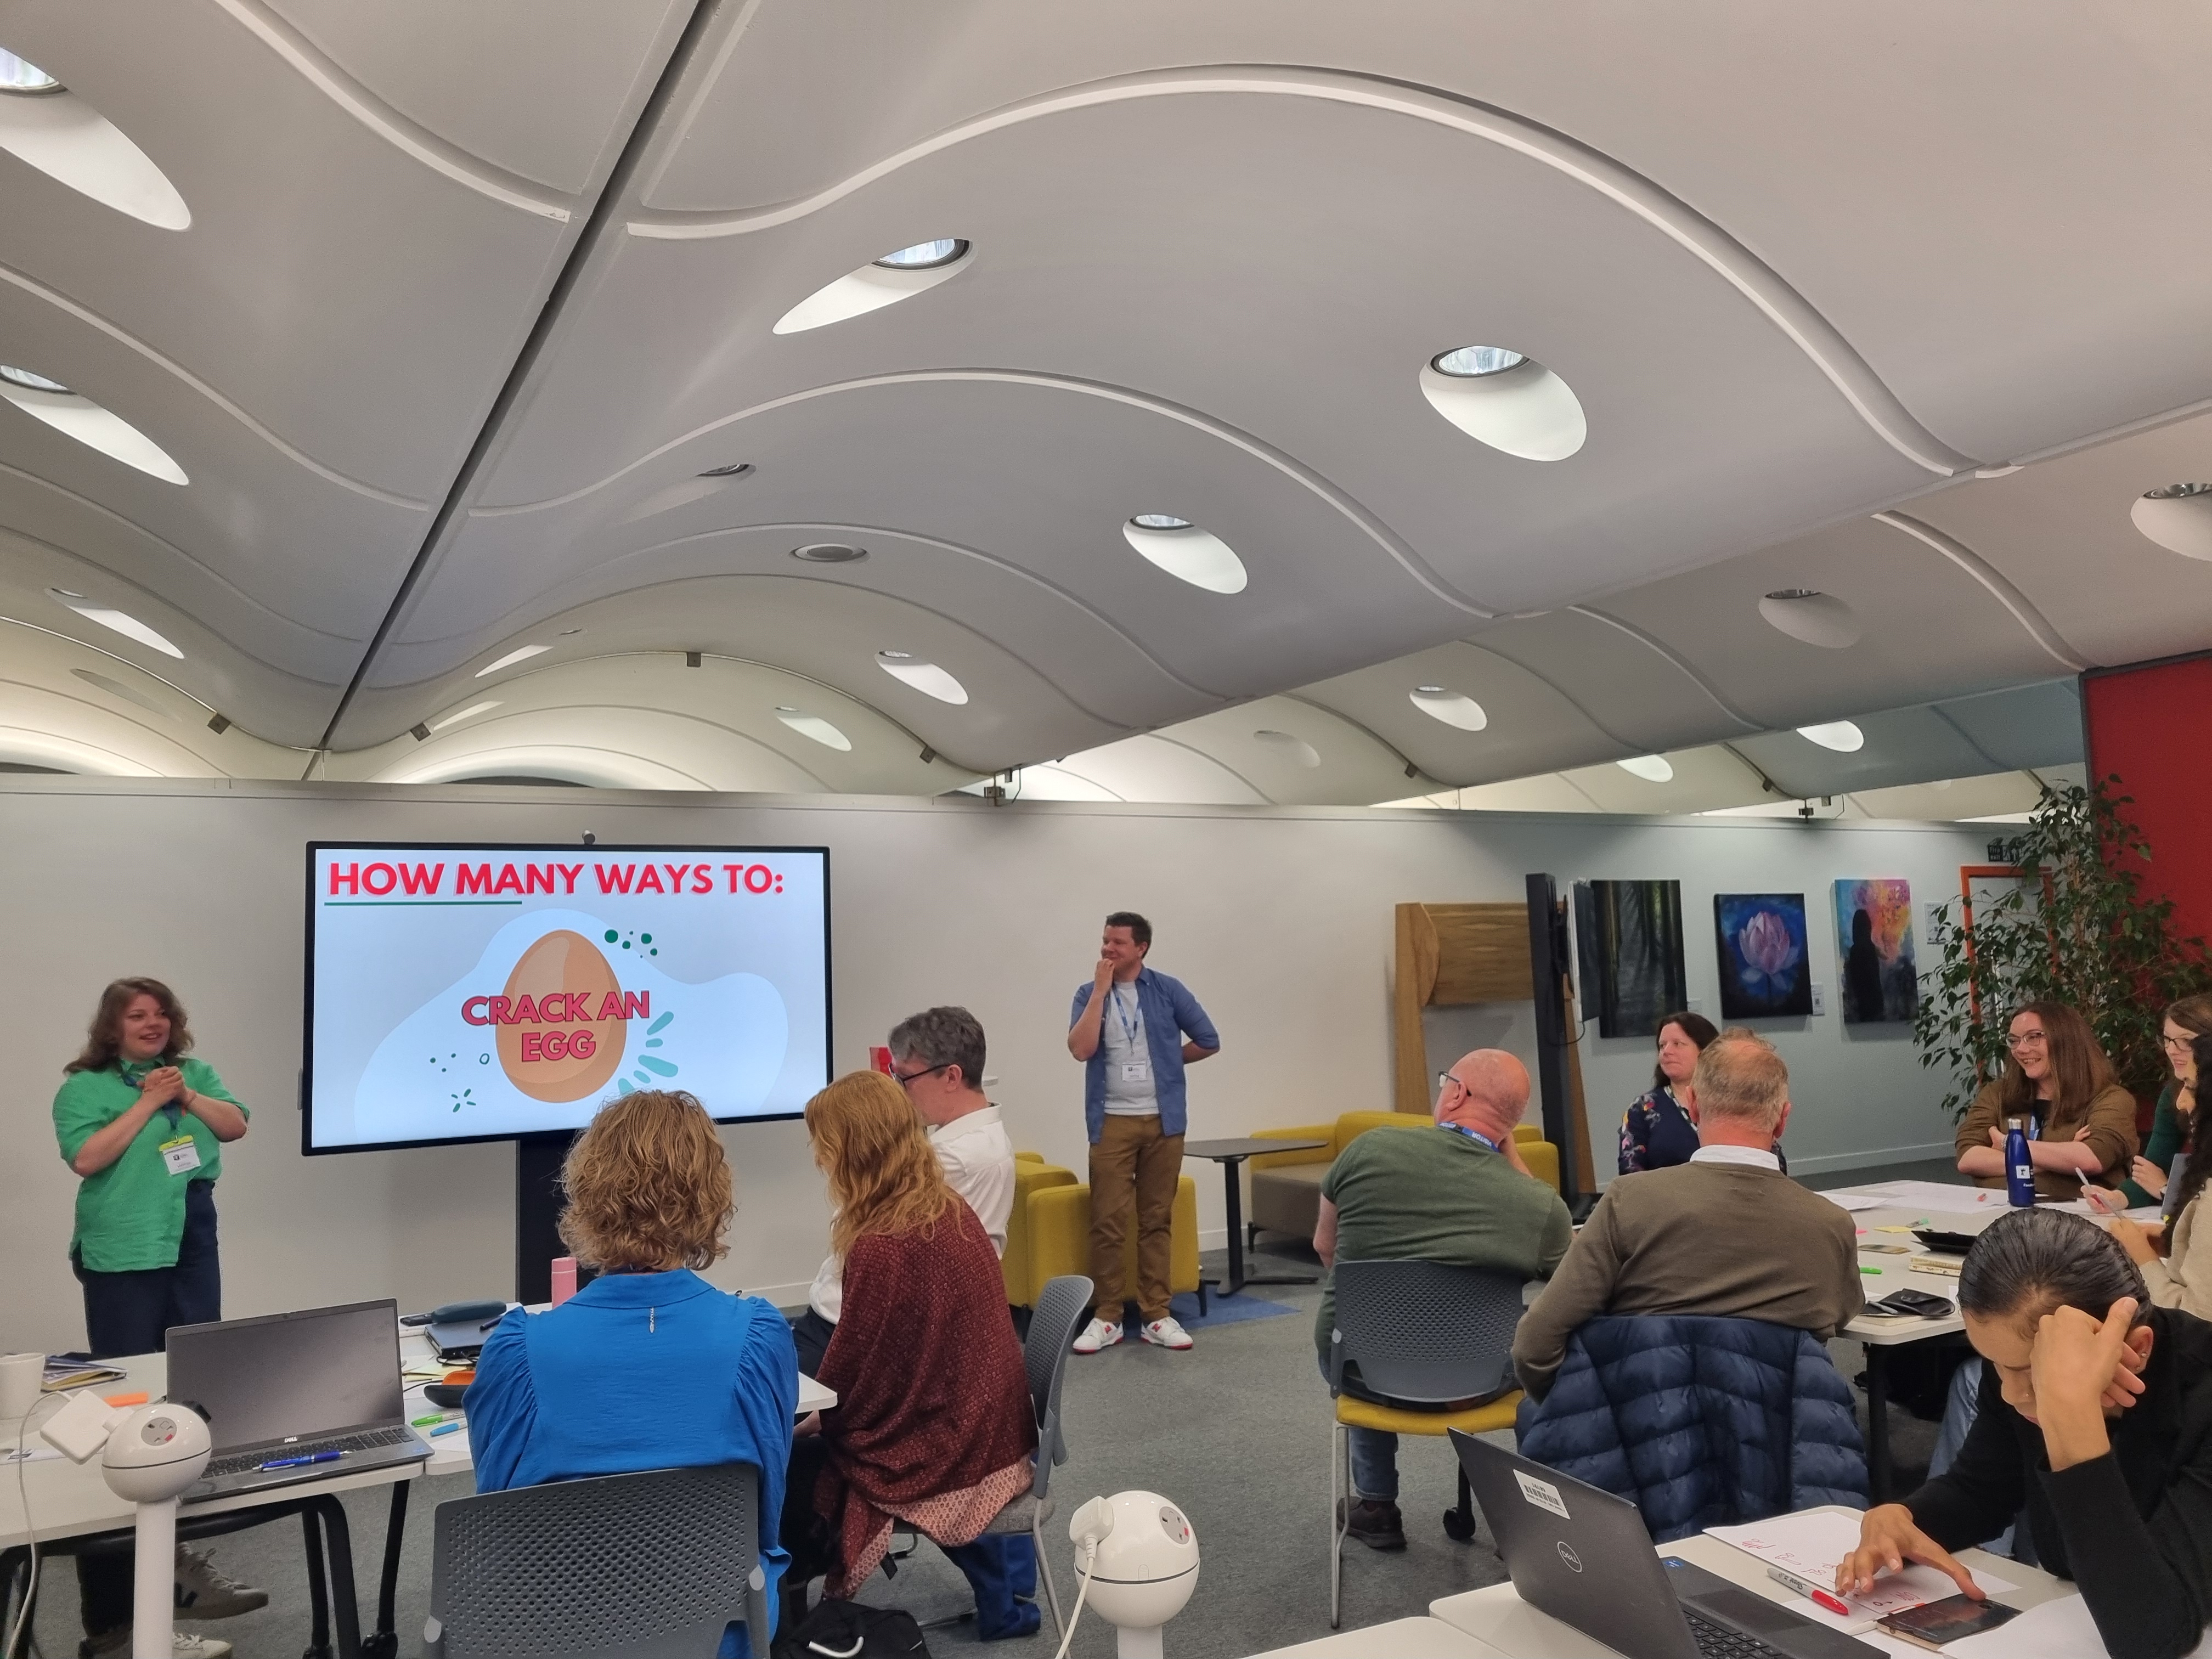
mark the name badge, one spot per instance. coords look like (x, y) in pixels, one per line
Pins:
(182, 1155)
(1136, 1071)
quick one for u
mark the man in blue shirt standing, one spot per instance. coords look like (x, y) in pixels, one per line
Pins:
(1135, 1030)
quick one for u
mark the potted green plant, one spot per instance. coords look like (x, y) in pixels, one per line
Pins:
(2075, 927)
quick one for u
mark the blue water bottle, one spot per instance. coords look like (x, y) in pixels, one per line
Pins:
(2019, 1169)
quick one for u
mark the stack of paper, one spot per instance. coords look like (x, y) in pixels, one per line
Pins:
(1812, 1545)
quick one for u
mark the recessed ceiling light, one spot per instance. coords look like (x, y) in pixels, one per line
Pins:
(121, 622)
(1842, 736)
(2179, 518)
(1452, 707)
(897, 275)
(829, 553)
(116, 688)
(1652, 768)
(521, 653)
(926, 677)
(570, 633)
(79, 417)
(18, 76)
(734, 470)
(459, 715)
(1294, 749)
(47, 126)
(1820, 619)
(1507, 400)
(925, 256)
(1183, 550)
(814, 726)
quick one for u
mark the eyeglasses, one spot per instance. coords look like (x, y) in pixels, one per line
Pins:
(905, 1078)
(2179, 1045)
(1444, 1078)
(2026, 1039)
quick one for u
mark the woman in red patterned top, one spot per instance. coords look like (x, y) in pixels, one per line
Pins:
(933, 1425)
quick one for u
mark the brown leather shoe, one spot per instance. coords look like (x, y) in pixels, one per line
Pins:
(1375, 1523)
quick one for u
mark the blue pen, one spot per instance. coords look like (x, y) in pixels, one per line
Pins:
(445, 1428)
(297, 1462)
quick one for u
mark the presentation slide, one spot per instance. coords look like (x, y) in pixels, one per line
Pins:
(473, 993)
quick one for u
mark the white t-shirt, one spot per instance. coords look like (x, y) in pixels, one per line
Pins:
(1130, 1088)
(978, 1160)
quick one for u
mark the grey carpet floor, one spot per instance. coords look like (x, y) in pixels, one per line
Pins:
(1236, 1431)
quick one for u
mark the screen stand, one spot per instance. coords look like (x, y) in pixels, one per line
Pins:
(538, 1160)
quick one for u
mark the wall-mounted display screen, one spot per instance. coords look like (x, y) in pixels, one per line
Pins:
(477, 992)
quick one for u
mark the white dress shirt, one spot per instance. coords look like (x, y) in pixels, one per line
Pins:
(1752, 1156)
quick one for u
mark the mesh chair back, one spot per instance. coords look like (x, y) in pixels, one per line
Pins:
(1060, 1307)
(1423, 1332)
(621, 1566)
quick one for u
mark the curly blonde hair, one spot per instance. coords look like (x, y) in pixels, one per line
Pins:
(883, 1176)
(647, 1184)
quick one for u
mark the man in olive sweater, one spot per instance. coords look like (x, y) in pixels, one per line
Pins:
(1726, 1235)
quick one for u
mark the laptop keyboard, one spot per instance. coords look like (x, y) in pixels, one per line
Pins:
(1719, 1641)
(367, 1440)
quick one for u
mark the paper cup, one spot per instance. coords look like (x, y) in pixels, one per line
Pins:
(19, 1376)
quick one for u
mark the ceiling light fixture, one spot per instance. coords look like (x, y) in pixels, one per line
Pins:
(120, 621)
(521, 653)
(1506, 399)
(1452, 707)
(926, 677)
(456, 717)
(1295, 750)
(1816, 619)
(1652, 768)
(897, 275)
(1185, 552)
(2178, 516)
(734, 470)
(47, 126)
(829, 553)
(814, 726)
(116, 688)
(76, 417)
(1842, 736)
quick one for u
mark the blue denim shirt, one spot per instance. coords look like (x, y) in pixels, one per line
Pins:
(1171, 1014)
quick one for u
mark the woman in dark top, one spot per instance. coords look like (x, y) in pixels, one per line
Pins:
(1655, 1133)
(2095, 1415)
(2170, 1127)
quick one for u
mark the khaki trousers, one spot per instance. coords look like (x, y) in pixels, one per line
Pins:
(1133, 1165)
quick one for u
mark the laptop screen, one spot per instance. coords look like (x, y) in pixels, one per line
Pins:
(317, 1372)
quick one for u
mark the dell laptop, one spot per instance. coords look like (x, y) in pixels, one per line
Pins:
(295, 1396)
(1583, 1556)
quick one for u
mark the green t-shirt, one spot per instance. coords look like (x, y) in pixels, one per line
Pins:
(131, 1215)
(1434, 1194)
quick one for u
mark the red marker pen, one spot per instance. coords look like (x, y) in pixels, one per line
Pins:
(1812, 1592)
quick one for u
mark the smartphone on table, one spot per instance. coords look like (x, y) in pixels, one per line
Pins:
(1936, 1623)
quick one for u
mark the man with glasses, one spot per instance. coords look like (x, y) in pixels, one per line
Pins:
(938, 1058)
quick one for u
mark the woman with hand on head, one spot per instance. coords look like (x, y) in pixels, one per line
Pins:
(142, 1126)
(2059, 1086)
(2184, 1277)
(2173, 1126)
(2096, 1416)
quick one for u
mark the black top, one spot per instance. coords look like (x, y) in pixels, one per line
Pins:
(2129, 1527)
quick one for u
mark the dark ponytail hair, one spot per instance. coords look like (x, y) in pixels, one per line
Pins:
(2028, 1262)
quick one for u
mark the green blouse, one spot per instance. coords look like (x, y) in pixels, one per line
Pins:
(131, 1215)
(2169, 1138)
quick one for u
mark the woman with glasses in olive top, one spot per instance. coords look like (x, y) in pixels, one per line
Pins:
(2172, 1128)
(2058, 1086)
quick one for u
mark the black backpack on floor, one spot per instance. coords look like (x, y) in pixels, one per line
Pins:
(845, 1630)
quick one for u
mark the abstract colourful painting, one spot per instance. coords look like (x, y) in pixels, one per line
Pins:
(1874, 942)
(1762, 947)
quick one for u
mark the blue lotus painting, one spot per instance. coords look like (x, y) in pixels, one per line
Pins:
(1764, 968)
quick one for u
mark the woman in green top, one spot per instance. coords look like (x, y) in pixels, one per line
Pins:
(2170, 1130)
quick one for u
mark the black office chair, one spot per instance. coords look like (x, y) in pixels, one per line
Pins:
(651, 1565)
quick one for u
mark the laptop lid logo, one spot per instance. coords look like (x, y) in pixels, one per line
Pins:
(1567, 1554)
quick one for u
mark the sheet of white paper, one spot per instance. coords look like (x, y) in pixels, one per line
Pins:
(1929, 1196)
(1860, 1201)
(1813, 1544)
(28, 1454)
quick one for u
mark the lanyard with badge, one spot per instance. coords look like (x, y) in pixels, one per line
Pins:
(1132, 1070)
(1472, 1134)
(180, 1152)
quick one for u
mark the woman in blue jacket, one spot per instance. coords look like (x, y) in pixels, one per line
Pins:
(648, 1366)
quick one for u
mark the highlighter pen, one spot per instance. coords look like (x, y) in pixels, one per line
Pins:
(425, 1422)
(297, 1462)
(1812, 1592)
(445, 1428)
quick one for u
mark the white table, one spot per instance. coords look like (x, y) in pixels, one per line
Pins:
(1402, 1638)
(69, 1500)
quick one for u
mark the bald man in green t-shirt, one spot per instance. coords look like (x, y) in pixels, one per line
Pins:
(1456, 1193)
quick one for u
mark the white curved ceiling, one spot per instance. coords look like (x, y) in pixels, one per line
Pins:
(471, 297)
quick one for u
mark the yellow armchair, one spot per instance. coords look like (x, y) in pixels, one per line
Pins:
(1059, 1239)
(1031, 1174)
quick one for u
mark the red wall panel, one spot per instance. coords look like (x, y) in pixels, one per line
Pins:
(2153, 725)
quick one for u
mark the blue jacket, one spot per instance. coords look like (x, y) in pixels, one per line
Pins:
(1171, 1014)
(642, 1371)
(1700, 1422)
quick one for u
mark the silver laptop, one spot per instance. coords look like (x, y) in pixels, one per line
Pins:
(295, 1396)
(1583, 1557)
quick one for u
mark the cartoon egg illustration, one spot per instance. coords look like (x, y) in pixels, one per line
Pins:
(563, 1057)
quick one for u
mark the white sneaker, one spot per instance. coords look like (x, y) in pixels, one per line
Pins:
(183, 1645)
(1098, 1334)
(1166, 1333)
(205, 1591)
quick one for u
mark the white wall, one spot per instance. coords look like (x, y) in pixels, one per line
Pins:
(1279, 920)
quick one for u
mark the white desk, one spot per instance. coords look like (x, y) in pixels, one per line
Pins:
(1402, 1638)
(1510, 1627)
(1893, 1273)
